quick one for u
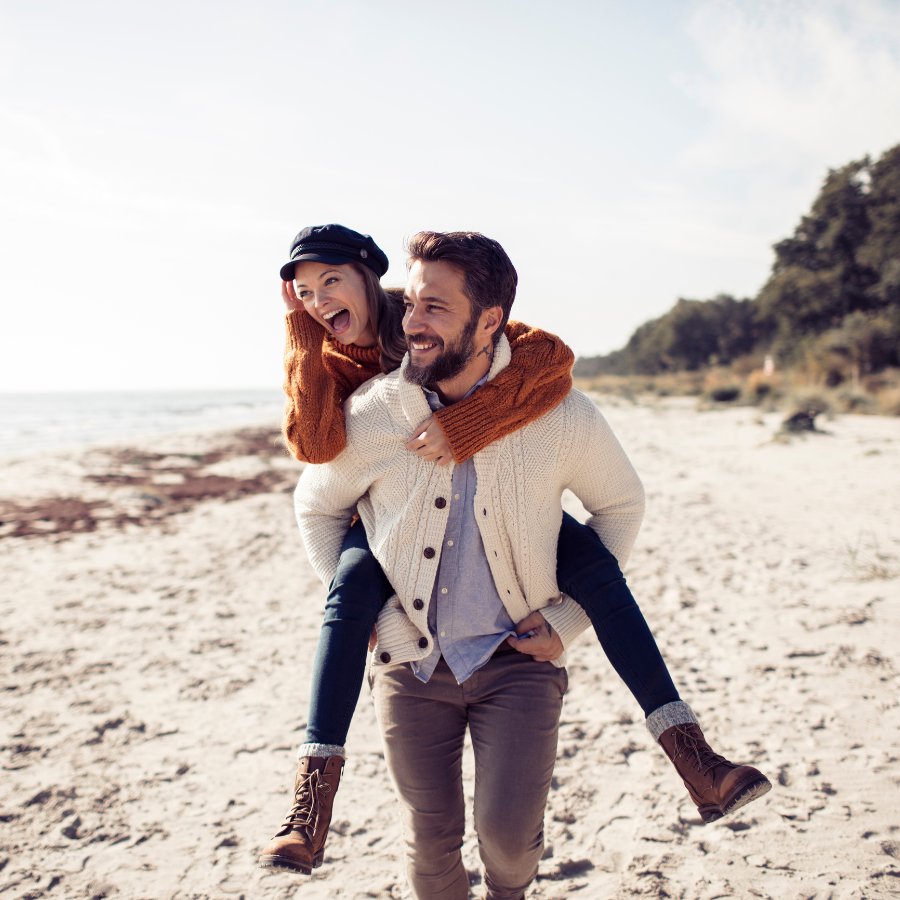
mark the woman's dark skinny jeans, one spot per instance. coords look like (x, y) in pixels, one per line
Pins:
(585, 570)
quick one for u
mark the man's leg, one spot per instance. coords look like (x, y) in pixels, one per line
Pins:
(514, 707)
(423, 726)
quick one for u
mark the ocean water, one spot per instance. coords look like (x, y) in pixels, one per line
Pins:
(30, 423)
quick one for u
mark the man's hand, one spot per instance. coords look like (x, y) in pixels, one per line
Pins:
(291, 300)
(430, 442)
(544, 644)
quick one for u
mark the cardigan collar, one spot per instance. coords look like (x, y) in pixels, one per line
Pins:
(412, 397)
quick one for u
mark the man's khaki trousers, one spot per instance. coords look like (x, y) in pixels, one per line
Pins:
(511, 706)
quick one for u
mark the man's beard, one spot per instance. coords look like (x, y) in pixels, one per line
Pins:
(452, 359)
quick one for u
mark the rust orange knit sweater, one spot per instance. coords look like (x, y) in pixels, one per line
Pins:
(320, 375)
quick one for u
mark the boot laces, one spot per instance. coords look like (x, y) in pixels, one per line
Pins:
(306, 799)
(691, 743)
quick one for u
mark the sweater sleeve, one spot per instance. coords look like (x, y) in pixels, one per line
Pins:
(537, 378)
(324, 504)
(318, 378)
(602, 477)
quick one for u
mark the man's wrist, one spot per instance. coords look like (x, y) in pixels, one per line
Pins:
(567, 619)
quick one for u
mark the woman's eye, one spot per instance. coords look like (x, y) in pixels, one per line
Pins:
(330, 280)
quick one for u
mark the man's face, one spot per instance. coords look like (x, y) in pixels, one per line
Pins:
(438, 323)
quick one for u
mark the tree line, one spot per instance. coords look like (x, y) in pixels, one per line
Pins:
(833, 293)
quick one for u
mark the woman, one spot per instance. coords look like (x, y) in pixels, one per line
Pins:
(343, 329)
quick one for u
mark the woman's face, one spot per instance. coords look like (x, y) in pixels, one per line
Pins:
(335, 296)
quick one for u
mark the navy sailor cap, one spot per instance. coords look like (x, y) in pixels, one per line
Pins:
(336, 245)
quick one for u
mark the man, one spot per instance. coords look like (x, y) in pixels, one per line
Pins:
(476, 634)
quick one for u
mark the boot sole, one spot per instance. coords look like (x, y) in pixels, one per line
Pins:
(746, 793)
(742, 795)
(286, 864)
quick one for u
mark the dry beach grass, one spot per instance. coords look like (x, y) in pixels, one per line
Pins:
(156, 653)
(745, 383)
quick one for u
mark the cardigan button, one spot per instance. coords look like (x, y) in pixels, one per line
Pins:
(428, 553)
(440, 503)
(423, 642)
(385, 657)
(417, 604)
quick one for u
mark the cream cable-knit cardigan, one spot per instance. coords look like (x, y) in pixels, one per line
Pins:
(521, 478)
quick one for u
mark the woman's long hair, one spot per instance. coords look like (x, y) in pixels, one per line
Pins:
(386, 316)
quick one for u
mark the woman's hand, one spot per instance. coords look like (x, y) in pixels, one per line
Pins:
(373, 638)
(430, 442)
(542, 643)
(291, 300)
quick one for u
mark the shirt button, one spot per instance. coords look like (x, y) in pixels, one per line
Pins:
(440, 503)
(428, 553)
(417, 604)
(456, 496)
(449, 543)
(443, 634)
(423, 642)
(443, 590)
(385, 657)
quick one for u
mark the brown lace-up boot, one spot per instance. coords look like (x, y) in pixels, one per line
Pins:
(717, 786)
(300, 844)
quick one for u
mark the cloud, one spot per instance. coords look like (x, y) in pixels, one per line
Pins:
(792, 88)
(796, 82)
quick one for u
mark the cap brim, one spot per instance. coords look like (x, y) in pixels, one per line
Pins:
(334, 259)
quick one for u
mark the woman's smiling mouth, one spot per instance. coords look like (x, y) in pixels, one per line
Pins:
(337, 320)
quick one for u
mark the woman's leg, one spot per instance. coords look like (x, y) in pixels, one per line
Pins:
(590, 575)
(357, 593)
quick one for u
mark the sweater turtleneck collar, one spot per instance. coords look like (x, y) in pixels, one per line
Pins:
(364, 356)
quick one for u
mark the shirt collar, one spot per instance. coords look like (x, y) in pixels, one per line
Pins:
(435, 402)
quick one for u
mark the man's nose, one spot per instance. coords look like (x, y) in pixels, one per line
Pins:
(411, 321)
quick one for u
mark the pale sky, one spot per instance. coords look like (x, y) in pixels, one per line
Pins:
(156, 160)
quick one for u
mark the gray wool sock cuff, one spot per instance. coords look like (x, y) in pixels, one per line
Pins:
(677, 713)
(325, 750)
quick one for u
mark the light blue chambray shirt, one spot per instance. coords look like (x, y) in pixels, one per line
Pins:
(466, 617)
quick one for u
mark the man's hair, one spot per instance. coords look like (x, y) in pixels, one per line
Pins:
(489, 277)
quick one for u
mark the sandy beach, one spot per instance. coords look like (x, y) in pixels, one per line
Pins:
(159, 618)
